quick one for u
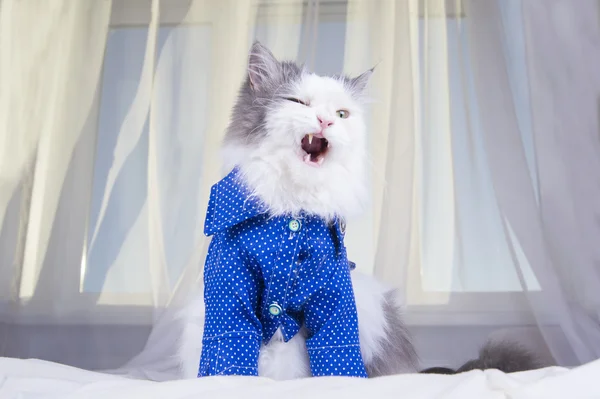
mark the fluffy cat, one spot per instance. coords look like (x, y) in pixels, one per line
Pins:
(322, 173)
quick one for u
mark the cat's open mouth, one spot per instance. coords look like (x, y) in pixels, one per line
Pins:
(315, 147)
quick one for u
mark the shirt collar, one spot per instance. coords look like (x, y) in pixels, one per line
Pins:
(231, 202)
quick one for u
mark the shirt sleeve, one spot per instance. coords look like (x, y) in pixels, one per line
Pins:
(232, 331)
(331, 318)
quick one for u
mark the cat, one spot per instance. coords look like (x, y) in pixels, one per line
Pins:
(291, 171)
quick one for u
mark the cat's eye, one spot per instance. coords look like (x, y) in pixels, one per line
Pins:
(296, 100)
(342, 113)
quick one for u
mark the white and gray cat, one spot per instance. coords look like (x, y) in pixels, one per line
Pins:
(291, 170)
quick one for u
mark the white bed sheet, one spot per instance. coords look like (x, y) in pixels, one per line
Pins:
(28, 379)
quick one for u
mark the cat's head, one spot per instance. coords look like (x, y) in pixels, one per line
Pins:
(299, 138)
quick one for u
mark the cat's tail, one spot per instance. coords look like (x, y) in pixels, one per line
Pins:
(507, 356)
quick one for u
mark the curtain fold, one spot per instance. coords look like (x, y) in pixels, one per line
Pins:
(506, 155)
(566, 130)
(50, 70)
(484, 150)
(381, 34)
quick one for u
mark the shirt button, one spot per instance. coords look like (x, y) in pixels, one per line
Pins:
(343, 226)
(275, 309)
(294, 225)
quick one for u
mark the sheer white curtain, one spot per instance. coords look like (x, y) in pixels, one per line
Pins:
(548, 191)
(484, 144)
(50, 65)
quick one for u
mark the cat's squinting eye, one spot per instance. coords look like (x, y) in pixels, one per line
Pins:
(296, 100)
(342, 113)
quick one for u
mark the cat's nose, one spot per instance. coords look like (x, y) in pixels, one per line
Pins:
(325, 123)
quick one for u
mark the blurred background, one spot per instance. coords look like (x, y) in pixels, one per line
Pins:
(484, 144)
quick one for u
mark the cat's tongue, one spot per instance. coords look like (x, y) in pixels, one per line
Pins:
(315, 147)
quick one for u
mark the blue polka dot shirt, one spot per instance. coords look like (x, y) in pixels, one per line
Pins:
(267, 272)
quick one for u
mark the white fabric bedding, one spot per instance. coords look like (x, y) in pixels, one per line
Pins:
(29, 379)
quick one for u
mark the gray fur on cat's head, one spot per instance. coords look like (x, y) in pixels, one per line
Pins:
(268, 82)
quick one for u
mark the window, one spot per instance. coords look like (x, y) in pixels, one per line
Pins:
(118, 217)
(460, 278)
(464, 243)
(470, 273)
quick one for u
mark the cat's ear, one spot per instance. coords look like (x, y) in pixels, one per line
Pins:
(262, 65)
(359, 83)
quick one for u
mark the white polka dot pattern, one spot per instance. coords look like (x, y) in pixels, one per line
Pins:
(256, 262)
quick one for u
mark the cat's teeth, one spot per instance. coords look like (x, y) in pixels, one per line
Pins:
(320, 160)
(310, 137)
(307, 158)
